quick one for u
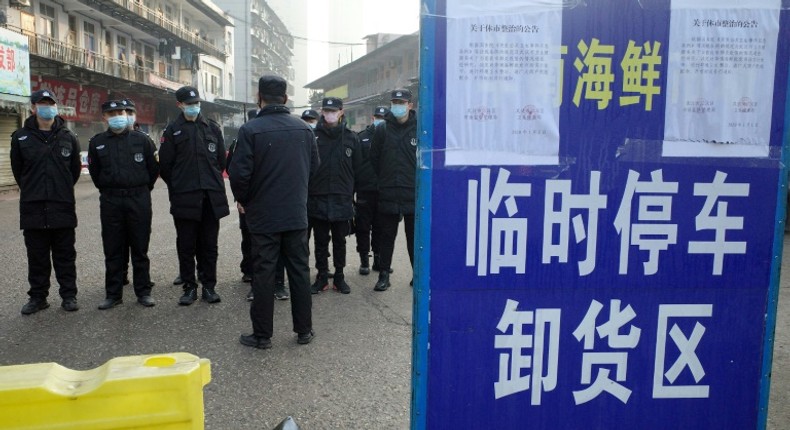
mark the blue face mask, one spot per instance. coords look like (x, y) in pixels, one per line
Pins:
(46, 112)
(118, 122)
(191, 110)
(399, 110)
(131, 119)
(377, 121)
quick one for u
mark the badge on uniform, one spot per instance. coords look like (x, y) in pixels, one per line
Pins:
(212, 147)
(65, 152)
(177, 133)
(348, 152)
(138, 157)
(23, 137)
(413, 141)
(100, 147)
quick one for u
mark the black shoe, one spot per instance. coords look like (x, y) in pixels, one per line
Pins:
(246, 278)
(178, 280)
(109, 304)
(383, 283)
(250, 296)
(34, 305)
(210, 295)
(255, 341)
(189, 297)
(280, 293)
(70, 304)
(321, 283)
(305, 338)
(146, 301)
(340, 284)
(364, 265)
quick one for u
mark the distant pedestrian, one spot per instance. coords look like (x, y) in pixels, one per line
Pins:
(123, 166)
(394, 158)
(46, 163)
(330, 204)
(310, 117)
(367, 197)
(274, 158)
(192, 159)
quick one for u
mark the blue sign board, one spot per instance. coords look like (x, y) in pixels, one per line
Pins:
(602, 196)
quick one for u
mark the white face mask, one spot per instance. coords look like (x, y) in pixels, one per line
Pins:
(331, 117)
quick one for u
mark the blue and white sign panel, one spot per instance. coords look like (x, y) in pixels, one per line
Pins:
(603, 193)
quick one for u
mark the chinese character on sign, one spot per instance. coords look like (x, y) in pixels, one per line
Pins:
(508, 245)
(561, 217)
(654, 234)
(720, 222)
(544, 343)
(639, 73)
(685, 346)
(610, 330)
(596, 73)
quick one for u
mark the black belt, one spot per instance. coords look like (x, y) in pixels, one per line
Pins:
(125, 191)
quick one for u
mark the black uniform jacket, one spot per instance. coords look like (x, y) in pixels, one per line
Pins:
(365, 177)
(191, 161)
(46, 169)
(332, 188)
(275, 156)
(394, 158)
(122, 161)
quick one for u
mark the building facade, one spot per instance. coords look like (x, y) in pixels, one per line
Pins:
(392, 62)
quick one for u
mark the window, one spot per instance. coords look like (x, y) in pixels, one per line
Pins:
(230, 42)
(47, 19)
(88, 36)
(168, 12)
(148, 56)
(121, 45)
(72, 30)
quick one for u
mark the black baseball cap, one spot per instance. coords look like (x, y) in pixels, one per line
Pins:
(128, 104)
(111, 105)
(309, 114)
(188, 95)
(401, 94)
(380, 111)
(39, 95)
(332, 103)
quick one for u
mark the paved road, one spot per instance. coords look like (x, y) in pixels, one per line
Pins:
(355, 375)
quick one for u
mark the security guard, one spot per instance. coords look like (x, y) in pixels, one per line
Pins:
(123, 167)
(394, 158)
(192, 158)
(310, 117)
(367, 197)
(331, 197)
(45, 160)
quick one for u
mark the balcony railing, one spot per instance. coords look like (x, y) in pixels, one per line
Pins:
(46, 47)
(157, 17)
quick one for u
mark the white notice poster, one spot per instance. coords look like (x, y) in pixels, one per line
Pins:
(503, 82)
(720, 78)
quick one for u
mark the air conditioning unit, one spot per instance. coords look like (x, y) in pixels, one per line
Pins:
(19, 3)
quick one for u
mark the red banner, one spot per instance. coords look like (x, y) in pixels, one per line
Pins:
(86, 101)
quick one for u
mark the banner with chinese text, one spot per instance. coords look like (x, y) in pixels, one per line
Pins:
(603, 184)
(14, 66)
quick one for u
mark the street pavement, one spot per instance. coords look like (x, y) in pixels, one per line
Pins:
(354, 375)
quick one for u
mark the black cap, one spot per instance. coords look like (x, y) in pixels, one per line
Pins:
(128, 104)
(272, 85)
(187, 95)
(380, 111)
(309, 114)
(332, 103)
(111, 105)
(39, 95)
(402, 94)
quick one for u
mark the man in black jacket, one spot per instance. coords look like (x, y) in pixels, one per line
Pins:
(123, 167)
(274, 158)
(330, 204)
(45, 160)
(192, 158)
(367, 193)
(394, 158)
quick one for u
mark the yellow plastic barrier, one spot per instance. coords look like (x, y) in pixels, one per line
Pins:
(140, 392)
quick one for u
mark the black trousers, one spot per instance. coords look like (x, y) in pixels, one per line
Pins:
(321, 230)
(126, 224)
(59, 244)
(246, 246)
(365, 221)
(291, 247)
(388, 223)
(197, 240)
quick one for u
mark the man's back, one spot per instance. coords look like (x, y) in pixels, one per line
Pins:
(274, 158)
